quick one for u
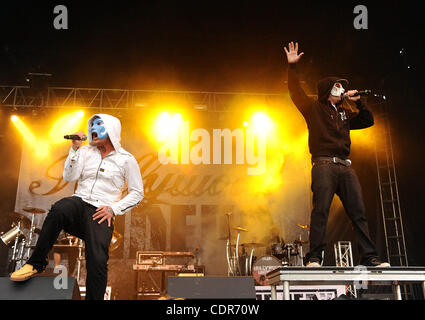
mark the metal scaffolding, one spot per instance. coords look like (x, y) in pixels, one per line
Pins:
(63, 97)
(344, 258)
(389, 201)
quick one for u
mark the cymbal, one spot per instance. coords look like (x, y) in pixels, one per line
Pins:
(34, 210)
(253, 244)
(240, 229)
(115, 241)
(19, 217)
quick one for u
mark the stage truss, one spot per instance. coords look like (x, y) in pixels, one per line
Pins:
(63, 97)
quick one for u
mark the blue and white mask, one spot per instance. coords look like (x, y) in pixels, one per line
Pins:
(99, 128)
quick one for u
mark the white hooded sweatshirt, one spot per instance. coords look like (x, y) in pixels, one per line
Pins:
(101, 181)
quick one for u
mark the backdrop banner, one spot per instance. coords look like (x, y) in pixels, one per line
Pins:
(187, 206)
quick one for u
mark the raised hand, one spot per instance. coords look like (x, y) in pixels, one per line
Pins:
(292, 53)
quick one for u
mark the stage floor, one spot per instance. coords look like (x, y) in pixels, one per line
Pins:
(359, 276)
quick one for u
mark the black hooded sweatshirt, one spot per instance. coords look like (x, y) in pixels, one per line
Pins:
(329, 128)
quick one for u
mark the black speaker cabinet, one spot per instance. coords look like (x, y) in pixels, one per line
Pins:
(211, 287)
(38, 288)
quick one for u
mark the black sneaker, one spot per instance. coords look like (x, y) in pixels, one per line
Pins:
(375, 262)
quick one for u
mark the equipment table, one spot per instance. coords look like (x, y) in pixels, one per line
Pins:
(287, 276)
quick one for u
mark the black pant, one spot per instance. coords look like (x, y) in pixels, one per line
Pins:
(329, 179)
(74, 216)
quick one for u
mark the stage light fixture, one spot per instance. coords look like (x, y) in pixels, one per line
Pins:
(40, 148)
(261, 122)
(66, 124)
(167, 125)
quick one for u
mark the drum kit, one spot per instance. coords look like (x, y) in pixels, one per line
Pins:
(241, 260)
(22, 238)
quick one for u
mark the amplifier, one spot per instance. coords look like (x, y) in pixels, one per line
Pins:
(150, 258)
(153, 258)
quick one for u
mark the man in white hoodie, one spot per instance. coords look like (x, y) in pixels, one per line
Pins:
(102, 169)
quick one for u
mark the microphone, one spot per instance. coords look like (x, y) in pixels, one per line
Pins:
(360, 93)
(363, 93)
(75, 137)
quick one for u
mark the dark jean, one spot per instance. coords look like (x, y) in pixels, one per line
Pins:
(74, 216)
(329, 179)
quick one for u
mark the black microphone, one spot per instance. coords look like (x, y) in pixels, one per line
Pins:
(360, 93)
(75, 137)
(363, 93)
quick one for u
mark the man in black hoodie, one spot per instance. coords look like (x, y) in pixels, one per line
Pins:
(329, 126)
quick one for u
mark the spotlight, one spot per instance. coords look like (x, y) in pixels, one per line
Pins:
(167, 126)
(261, 122)
(65, 124)
(40, 148)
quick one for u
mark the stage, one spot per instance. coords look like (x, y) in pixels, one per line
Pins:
(359, 276)
(224, 127)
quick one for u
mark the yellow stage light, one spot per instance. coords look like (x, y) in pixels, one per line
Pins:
(261, 122)
(167, 126)
(67, 124)
(40, 148)
(23, 129)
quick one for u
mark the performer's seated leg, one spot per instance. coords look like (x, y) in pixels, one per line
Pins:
(65, 214)
(97, 241)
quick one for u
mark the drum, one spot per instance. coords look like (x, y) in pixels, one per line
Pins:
(277, 250)
(263, 266)
(66, 239)
(11, 235)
